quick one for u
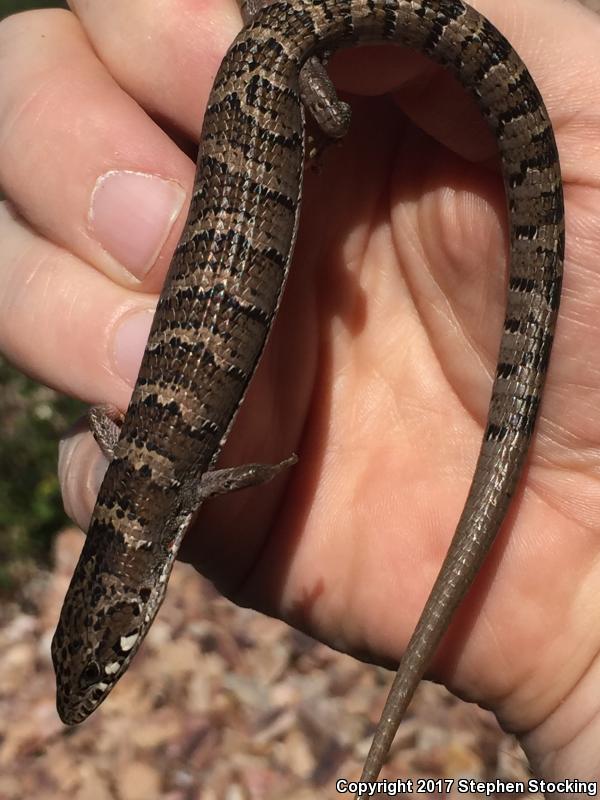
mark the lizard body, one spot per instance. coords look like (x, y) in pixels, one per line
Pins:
(222, 292)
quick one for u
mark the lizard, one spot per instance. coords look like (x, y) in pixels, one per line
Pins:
(220, 297)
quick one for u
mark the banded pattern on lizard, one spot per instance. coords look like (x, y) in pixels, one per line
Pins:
(220, 298)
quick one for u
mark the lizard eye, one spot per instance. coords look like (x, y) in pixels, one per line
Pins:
(91, 674)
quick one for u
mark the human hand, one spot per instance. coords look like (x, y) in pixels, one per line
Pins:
(379, 369)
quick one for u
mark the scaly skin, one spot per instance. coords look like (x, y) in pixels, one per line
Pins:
(220, 298)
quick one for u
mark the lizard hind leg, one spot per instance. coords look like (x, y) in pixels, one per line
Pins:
(331, 115)
(318, 94)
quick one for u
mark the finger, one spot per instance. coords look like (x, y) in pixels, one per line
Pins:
(164, 54)
(65, 324)
(85, 166)
(81, 468)
(557, 41)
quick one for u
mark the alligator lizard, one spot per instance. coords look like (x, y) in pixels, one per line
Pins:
(220, 298)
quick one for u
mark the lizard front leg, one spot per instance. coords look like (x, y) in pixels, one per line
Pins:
(105, 425)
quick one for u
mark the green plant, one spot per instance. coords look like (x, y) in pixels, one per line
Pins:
(12, 6)
(32, 419)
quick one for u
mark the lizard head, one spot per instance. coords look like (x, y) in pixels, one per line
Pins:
(99, 632)
(115, 592)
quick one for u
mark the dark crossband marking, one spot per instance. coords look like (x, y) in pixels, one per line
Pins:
(221, 295)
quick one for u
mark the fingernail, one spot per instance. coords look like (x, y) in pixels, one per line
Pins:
(131, 215)
(129, 342)
(81, 468)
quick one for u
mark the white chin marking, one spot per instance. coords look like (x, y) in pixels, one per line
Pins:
(110, 669)
(127, 642)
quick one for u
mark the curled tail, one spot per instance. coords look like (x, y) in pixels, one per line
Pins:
(456, 36)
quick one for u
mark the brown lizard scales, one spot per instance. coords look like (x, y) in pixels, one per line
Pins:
(220, 298)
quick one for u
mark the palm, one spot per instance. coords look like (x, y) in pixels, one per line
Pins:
(379, 374)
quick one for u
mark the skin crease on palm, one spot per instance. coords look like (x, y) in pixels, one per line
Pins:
(379, 368)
